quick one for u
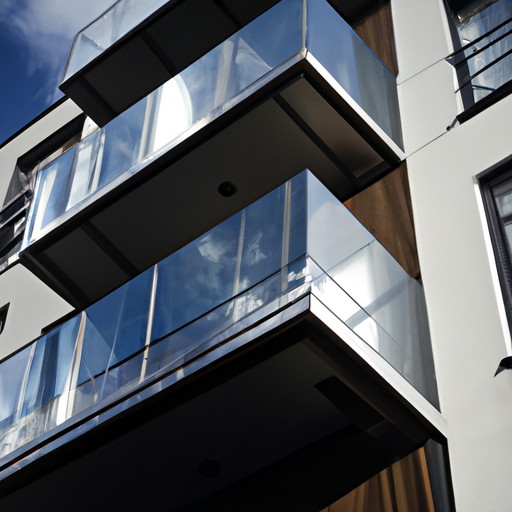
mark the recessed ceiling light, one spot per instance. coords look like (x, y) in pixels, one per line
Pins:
(227, 189)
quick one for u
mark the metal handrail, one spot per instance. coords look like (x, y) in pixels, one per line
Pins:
(485, 68)
(477, 40)
(458, 58)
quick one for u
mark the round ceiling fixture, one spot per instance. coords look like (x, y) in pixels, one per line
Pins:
(209, 467)
(227, 189)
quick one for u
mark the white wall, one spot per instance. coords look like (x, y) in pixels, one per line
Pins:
(32, 136)
(458, 271)
(462, 300)
(32, 304)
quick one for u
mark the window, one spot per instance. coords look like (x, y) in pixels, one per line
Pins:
(497, 193)
(19, 193)
(482, 34)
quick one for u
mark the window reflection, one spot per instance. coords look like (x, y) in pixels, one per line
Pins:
(485, 32)
(12, 374)
(115, 327)
(45, 401)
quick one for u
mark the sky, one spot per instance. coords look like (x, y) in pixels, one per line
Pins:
(35, 39)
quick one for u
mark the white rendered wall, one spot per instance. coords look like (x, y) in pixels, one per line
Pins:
(426, 82)
(32, 136)
(459, 275)
(32, 304)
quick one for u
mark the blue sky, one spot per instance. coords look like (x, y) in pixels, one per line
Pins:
(35, 39)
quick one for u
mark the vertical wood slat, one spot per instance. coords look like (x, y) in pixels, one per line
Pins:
(403, 487)
(385, 210)
(376, 30)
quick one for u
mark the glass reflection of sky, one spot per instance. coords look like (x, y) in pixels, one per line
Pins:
(296, 240)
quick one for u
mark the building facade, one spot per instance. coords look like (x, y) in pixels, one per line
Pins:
(258, 258)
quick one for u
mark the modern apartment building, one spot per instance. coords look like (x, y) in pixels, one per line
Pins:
(258, 259)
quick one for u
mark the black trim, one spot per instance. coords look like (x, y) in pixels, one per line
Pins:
(3, 316)
(53, 142)
(166, 61)
(493, 177)
(485, 103)
(303, 125)
(227, 12)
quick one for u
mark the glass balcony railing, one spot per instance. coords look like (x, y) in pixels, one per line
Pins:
(111, 26)
(297, 240)
(205, 89)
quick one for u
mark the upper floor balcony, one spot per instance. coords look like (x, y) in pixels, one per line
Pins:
(296, 88)
(319, 336)
(134, 47)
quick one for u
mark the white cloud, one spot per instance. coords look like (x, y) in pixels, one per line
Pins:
(46, 29)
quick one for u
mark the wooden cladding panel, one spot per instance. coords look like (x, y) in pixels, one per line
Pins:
(376, 30)
(403, 487)
(385, 210)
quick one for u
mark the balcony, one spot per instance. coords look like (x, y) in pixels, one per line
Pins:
(269, 101)
(484, 61)
(135, 47)
(295, 283)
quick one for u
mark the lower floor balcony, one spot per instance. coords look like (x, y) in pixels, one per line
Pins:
(285, 332)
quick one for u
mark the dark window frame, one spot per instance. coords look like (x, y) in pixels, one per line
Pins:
(16, 202)
(460, 63)
(488, 180)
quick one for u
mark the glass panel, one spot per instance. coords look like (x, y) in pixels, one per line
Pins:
(227, 260)
(122, 142)
(261, 249)
(227, 70)
(298, 216)
(115, 327)
(354, 66)
(503, 196)
(12, 374)
(502, 193)
(50, 369)
(383, 304)
(87, 168)
(113, 383)
(45, 401)
(197, 278)
(50, 193)
(214, 327)
(106, 30)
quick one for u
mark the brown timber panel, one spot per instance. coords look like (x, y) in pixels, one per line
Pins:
(385, 209)
(376, 30)
(403, 487)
